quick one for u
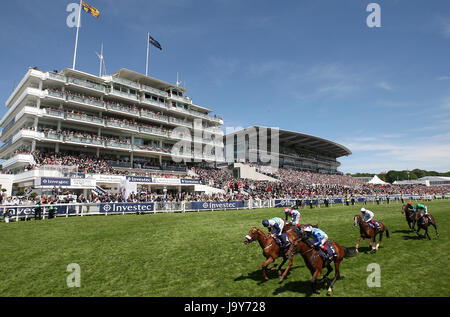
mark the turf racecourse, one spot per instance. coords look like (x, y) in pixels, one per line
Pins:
(203, 255)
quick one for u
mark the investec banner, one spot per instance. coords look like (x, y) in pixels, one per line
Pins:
(284, 203)
(29, 210)
(191, 181)
(139, 179)
(217, 205)
(126, 207)
(51, 181)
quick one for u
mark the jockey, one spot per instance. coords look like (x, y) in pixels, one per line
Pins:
(423, 211)
(410, 206)
(275, 226)
(295, 215)
(319, 239)
(367, 217)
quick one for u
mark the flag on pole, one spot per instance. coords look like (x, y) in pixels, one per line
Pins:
(90, 9)
(154, 42)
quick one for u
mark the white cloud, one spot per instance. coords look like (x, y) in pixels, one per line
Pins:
(384, 85)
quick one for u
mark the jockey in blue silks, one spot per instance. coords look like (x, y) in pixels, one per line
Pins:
(320, 240)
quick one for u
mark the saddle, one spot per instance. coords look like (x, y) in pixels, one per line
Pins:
(374, 225)
(330, 253)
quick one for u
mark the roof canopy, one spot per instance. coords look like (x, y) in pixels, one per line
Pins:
(377, 181)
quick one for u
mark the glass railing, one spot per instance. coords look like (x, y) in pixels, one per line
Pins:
(126, 82)
(55, 113)
(52, 136)
(154, 91)
(154, 103)
(84, 118)
(86, 84)
(153, 131)
(57, 94)
(122, 109)
(123, 94)
(118, 144)
(57, 76)
(146, 114)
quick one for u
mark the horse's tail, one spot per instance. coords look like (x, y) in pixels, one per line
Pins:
(348, 253)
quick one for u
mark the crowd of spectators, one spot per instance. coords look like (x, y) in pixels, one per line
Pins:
(287, 183)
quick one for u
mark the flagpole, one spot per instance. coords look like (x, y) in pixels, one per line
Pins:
(148, 51)
(101, 61)
(76, 37)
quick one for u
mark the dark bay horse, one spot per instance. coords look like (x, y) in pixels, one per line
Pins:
(410, 216)
(315, 263)
(423, 223)
(271, 250)
(367, 232)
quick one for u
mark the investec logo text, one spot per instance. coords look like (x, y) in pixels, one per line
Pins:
(127, 207)
(219, 205)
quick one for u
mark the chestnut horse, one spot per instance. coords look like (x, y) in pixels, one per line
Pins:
(315, 263)
(368, 232)
(410, 216)
(423, 222)
(271, 250)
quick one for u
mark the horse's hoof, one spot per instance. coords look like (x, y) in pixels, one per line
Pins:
(330, 292)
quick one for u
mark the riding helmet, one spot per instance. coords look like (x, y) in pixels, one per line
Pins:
(265, 223)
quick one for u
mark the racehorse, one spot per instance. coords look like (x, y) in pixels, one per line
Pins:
(314, 261)
(368, 232)
(410, 216)
(423, 222)
(271, 250)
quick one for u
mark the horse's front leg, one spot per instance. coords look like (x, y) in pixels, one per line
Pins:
(264, 266)
(291, 260)
(372, 243)
(379, 241)
(357, 244)
(313, 281)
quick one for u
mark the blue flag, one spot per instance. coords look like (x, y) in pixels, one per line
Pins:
(154, 42)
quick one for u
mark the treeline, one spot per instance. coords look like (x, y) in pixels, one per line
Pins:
(393, 176)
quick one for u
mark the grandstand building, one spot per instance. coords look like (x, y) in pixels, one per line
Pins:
(291, 150)
(130, 120)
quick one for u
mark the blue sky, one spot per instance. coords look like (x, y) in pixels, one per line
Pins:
(309, 66)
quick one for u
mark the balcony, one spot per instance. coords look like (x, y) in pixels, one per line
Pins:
(123, 94)
(19, 160)
(85, 118)
(56, 94)
(155, 103)
(117, 108)
(121, 125)
(83, 141)
(118, 144)
(55, 76)
(155, 91)
(153, 131)
(153, 116)
(86, 84)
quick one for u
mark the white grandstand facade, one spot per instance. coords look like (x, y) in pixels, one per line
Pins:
(130, 120)
(291, 150)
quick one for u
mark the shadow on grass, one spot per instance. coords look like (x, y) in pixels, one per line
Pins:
(258, 277)
(403, 231)
(302, 287)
